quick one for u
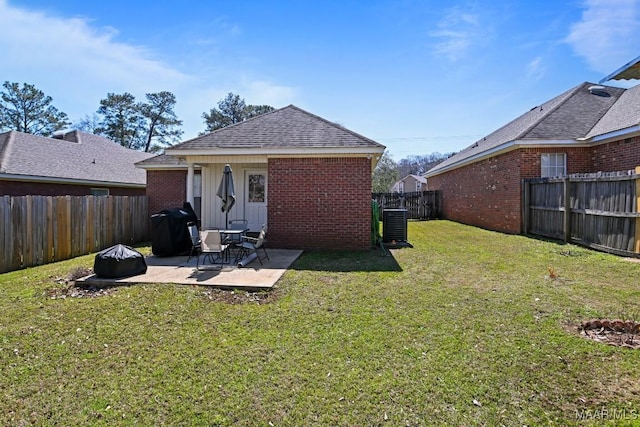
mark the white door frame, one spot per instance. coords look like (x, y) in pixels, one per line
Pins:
(255, 198)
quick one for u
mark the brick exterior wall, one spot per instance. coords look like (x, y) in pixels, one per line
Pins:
(488, 193)
(166, 189)
(617, 156)
(24, 188)
(320, 203)
(485, 194)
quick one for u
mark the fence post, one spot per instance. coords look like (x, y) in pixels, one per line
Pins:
(637, 236)
(567, 209)
(526, 201)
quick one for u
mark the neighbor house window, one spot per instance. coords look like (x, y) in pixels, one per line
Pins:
(99, 191)
(553, 164)
(418, 186)
(401, 187)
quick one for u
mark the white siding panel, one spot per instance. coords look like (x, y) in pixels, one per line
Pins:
(212, 215)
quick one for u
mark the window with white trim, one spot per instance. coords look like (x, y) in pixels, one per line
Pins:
(553, 164)
(401, 187)
(418, 186)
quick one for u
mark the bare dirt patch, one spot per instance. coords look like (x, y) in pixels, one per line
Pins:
(235, 296)
(618, 332)
(79, 291)
(67, 287)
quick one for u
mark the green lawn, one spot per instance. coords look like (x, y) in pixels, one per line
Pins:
(468, 327)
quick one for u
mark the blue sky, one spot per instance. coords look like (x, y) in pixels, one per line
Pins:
(416, 76)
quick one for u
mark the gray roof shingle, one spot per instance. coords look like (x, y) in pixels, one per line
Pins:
(623, 114)
(286, 127)
(75, 156)
(162, 160)
(573, 115)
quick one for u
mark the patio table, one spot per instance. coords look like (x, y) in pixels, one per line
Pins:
(233, 237)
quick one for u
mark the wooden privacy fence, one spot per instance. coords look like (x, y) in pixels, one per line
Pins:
(42, 229)
(594, 210)
(419, 204)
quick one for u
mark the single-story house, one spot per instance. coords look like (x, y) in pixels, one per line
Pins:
(307, 178)
(72, 163)
(410, 183)
(589, 128)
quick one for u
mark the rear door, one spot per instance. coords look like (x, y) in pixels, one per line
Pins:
(255, 198)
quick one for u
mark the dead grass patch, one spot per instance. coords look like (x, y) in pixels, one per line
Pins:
(617, 332)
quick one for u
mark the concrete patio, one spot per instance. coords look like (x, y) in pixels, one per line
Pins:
(176, 270)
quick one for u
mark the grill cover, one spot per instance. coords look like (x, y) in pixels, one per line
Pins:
(119, 261)
(170, 234)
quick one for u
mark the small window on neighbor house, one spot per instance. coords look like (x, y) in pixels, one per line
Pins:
(401, 187)
(418, 186)
(99, 191)
(553, 164)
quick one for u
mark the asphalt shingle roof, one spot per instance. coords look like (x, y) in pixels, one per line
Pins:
(286, 127)
(575, 114)
(162, 160)
(78, 156)
(623, 114)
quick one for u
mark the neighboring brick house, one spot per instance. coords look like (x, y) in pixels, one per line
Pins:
(589, 128)
(308, 178)
(74, 163)
(409, 184)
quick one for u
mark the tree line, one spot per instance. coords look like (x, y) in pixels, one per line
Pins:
(153, 125)
(149, 126)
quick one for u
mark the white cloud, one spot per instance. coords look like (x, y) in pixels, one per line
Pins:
(77, 65)
(536, 69)
(74, 63)
(457, 31)
(607, 34)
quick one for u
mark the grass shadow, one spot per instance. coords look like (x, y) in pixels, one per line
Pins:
(346, 261)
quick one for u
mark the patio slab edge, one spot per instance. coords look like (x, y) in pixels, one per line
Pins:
(175, 270)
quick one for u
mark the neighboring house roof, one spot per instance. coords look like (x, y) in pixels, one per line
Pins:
(585, 113)
(289, 130)
(629, 71)
(73, 157)
(418, 178)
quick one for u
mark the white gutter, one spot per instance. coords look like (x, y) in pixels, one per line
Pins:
(616, 134)
(161, 166)
(272, 151)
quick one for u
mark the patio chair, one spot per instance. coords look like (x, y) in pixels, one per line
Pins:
(211, 247)
(195, 240)
(251, 245)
